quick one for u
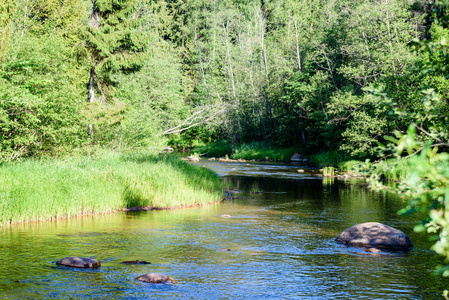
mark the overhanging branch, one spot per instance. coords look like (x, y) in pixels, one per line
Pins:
(203, 115)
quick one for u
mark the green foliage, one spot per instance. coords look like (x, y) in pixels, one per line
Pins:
(248, 151)
(355, 167)
(49, 17)
(426, 184)
(329, 158)
(262, 150)
(290, 72)
(115, 40)
(155, 96)
(35, 116)
(216, 149)
(6, 11)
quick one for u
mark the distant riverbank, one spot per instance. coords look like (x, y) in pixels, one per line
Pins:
(333, 163)
(36, 190)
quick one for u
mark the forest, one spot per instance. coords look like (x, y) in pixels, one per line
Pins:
(317, 75)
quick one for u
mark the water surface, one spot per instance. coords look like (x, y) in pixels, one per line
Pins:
(281, 236)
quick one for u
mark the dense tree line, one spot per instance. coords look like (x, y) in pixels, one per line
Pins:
(124, 73)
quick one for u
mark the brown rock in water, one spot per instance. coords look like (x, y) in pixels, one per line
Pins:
(192, 158)
(156, 278)
(375, 235)
(79, 262)
(135, 262)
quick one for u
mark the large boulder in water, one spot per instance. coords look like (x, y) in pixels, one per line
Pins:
(79, 262)
(156, 278)
(296, 158)
(375, 235)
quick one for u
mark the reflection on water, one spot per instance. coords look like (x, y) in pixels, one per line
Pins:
(281, 235)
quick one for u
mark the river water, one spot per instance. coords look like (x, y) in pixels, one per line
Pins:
(280, 234)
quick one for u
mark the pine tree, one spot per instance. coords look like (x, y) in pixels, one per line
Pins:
(114, 43)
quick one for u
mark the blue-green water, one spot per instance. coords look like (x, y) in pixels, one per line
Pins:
(281, 235)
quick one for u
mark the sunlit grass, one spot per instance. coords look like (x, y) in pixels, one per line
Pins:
(328, 171)
(261, 151)
(395, 170)
(47, 189)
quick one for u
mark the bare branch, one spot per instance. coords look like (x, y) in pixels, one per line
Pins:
(204, 115)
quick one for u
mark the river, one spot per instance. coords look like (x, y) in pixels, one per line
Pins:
(280, 235)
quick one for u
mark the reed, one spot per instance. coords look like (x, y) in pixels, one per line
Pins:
(37, 190)
(328, 171)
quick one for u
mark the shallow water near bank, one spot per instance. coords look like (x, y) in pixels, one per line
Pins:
(281, 235)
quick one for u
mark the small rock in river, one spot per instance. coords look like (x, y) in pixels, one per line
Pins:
(296, 158)
(375, 235)
(223, 249)
(79, 262)
(225, 216)
(135, 262)
(156, 278)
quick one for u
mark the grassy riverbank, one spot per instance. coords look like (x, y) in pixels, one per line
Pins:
(47, 189)
(248, 151)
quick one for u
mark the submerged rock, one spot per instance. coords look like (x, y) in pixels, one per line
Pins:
(191, 158)
(79, 262)
(156, 278)
(375, 235)
(135, 262)
(168, 149)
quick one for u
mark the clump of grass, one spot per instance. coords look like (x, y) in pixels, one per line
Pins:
(46, 189)
(328, 171)
(395, 170)
(355, 167)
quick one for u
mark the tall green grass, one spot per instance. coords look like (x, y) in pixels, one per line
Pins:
(395, 170)
(215, 149)
(330, 158)
(38, 190)
(328, 171)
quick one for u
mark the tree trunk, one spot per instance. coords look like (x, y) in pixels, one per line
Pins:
(90, 127)
(94, 22)
(298, 55)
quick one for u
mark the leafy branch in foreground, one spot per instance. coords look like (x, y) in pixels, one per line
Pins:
(427, 139)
